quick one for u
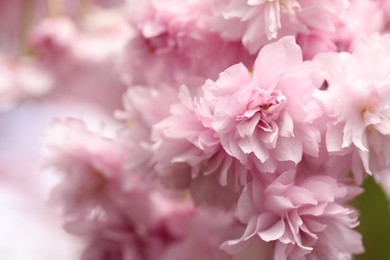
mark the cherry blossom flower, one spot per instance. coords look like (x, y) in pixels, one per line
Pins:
(81, 56)
(361, 19)
(91, 166)
(359, 124)
(143, 107)
(186, 138)
(173, 39)
(164, 226)
(255, 23)
(297, 219)
(267, 118)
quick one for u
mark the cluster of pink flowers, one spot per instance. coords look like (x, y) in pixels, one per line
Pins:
(204, 129)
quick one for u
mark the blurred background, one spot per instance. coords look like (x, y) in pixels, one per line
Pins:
(374, 222)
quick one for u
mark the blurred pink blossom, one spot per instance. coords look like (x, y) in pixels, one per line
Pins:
(360, 123)
(258, 22)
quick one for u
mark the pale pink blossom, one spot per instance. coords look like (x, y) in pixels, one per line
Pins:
(91, 166)
(338, 166)
(297, 219)
(146, 222)
(18, 18)
(81, 56)
(172, 43)
(361, 19)
(146, 106)
(258, 22)
(22, 79)
(186, 139)
(143, 107)
(267, 119)
(96, 39)
(358, 102)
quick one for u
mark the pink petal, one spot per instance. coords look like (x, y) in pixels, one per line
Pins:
(286, 125)
(274, 232)
(247, 127)
(301, 196)
(278, 204)
(288, 149)
(259, 150)
(274, 59)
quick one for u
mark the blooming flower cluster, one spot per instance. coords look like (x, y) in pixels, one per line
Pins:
(204, 129)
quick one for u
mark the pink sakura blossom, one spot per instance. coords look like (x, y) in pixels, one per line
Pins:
(95, 39)
(175, 235)
(186, 138)
(361, 19)
(146, 222)
(143, 107)
(91, 165)
(357, 102)
(146, 106)
(241, 123)
(174, 39)
(81, 55)
(18, 18)
(258, 22)
(296, 219)
(164, 132)
(22, 79)
(337, 166)
(147, 144)
(119, 213)
(267, 118)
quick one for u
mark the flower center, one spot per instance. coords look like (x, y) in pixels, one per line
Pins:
(160, 44)
(264, 107)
